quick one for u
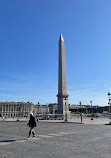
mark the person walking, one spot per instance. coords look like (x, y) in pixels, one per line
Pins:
(31, 124)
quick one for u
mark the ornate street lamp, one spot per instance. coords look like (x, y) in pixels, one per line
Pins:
(91, 110)
(109, 99)
(65, 111)
(18, 112)
(80, 104)
(81, 110)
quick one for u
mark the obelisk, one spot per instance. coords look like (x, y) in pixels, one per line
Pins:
(62, 85)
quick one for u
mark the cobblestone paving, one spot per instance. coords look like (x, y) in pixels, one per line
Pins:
(63, 140)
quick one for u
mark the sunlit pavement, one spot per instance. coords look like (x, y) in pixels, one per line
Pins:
(64, 140)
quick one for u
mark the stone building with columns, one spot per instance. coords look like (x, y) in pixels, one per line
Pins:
(41, 109)
(15, 109)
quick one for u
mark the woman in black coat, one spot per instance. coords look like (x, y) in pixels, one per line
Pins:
(31, 124)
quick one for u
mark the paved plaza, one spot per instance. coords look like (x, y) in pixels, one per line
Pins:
(57, 140)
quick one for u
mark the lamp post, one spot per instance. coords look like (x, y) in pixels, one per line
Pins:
(80, 111)
(86, 109)
(109, 99)
(18, 112)
(91, 110)
(65, 111)
(80, 104)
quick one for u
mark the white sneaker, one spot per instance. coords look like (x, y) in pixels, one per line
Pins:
(34, 136)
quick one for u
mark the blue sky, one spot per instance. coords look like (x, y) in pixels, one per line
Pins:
(29, 34)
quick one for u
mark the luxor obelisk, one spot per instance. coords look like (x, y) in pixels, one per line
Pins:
(62, 85)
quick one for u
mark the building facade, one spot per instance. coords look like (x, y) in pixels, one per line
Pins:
(15, 109)
(41, 109)
(53, 108)
(50, 108)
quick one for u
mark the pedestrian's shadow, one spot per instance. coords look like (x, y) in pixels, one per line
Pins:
(8, 140)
